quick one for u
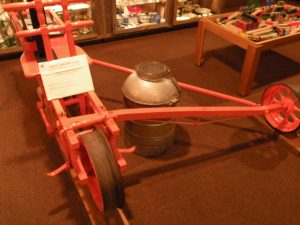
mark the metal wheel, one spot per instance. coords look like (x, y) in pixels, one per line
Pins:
(288, 118)
(104, 178)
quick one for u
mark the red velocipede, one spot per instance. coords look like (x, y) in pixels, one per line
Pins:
(88, 139)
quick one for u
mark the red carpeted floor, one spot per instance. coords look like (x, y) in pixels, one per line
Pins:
(233, 172)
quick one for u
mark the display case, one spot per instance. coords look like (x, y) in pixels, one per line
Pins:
(8, 43)
(188, 11)
(114, 18)
(137, 15)
(79, 12)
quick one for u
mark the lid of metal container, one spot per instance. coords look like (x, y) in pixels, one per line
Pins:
(152, 70)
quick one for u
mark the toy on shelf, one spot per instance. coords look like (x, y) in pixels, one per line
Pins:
(259, 23)
(84, 128)
(246, 22)
(133, 14)
(191, 9)
(6, 33)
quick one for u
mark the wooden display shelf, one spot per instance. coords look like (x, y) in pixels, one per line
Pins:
(253, 49)
(86, 37)
(141, 28)
(10, 50)
(192, 20)
(133, 3)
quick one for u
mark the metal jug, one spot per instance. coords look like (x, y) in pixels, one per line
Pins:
(152, 85)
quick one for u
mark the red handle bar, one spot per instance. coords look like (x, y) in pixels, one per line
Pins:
(44, 30)
(27, 5)
(33, 32)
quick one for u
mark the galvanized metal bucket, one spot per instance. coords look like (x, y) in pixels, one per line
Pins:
(152, 85)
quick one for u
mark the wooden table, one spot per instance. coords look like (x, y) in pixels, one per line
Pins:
(253, 49)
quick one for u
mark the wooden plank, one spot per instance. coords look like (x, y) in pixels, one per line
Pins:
(144, 27)
(10, 50)
(268, 44)
(292, 140)
(115, 217)
(86, 37)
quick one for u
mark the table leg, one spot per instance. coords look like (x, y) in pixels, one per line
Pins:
(249, 69)
(199, 59)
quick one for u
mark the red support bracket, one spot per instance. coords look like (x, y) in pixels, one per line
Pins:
(120, 159)
(57, 171)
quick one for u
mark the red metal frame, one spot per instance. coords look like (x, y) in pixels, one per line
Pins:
(92, 111)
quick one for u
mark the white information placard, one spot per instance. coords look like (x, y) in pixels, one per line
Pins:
(66, 77)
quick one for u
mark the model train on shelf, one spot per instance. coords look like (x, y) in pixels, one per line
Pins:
(87, 138)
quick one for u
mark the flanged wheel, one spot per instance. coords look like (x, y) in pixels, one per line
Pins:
(104, 178)
(286, 119)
